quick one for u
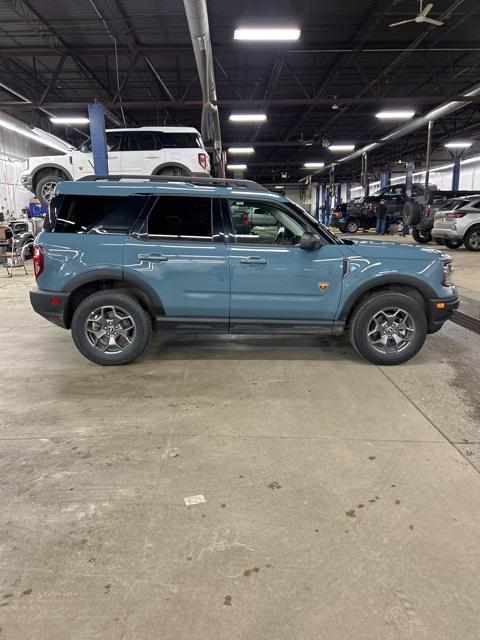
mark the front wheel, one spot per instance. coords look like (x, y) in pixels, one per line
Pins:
(472, 239)
(111, 328)
(453, 244)
(45, 188)
(388, 328)
(421, 236)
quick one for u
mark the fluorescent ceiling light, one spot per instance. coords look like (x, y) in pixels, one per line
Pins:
(70, 120)
(341, 147)
(5, 124)
(458, 145)
(248, 117)
(314, 165)
(236, 167)
(241, 150)
(267, 35)
(395, 115)
(279, 186)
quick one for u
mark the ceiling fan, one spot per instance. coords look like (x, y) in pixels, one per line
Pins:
(421, 17)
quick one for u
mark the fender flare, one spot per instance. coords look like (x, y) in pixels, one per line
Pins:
(50, 165)
(179, 165)
(423, 287)
(149, 295)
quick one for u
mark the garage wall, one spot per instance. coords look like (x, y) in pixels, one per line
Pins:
(14, 149)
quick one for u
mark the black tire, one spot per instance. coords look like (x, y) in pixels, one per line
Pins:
(173, 171)
(411, 213)
(26, 252)
(351, 226)
(45, 186)
(453, 244)
(372, 306)
(439, 241)
(472, 239)
(140, 327)
(421, 236)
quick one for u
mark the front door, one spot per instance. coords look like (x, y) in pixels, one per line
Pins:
(182, 257)
(272, 278)
(82, 159)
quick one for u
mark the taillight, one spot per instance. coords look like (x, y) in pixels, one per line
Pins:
(38, 259)
(245, 220)
(426, 212)
(456, 214)
(202, 160)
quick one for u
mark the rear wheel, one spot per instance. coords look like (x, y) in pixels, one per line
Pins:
(421, 236)
(352, 226)
(111, 328)
(388, 328)
(472, 239)
(453, 244)
(173, 171)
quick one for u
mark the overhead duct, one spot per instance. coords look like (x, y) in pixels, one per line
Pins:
(197, 17)
(413, 125)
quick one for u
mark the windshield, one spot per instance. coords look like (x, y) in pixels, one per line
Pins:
(331, 236)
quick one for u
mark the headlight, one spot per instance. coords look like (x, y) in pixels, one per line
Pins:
(25, 165)
(447, 273)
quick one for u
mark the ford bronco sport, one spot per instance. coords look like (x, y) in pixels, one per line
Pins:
(119, 255)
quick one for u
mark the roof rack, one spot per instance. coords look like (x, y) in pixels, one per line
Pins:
(199, 181)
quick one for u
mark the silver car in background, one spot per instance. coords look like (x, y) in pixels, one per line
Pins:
(458, 222)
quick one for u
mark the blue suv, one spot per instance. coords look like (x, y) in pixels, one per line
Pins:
(119, 255)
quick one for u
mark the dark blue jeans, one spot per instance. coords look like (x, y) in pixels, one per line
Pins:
(381, 222)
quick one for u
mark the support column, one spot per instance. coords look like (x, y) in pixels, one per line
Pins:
(409, 166)
(317, 201)
(348, 195)
(364, 177)
(385, 175)
(456, 173)
(96, 116)
(338, 194)
(427, 160)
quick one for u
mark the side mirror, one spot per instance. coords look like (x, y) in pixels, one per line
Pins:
(310, 241)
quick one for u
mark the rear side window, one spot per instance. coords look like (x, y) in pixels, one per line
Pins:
(181, 217)
(142, 141)
(180, 140)
(96, 214)
(453, 205)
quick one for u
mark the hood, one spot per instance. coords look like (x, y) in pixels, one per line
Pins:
(386, 249)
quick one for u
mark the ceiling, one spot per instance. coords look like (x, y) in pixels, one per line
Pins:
(59, 55)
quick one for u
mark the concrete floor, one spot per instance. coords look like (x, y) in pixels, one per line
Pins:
(342, 500)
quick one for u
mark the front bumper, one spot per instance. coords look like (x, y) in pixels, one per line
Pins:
(52, 305)
(440, 310)
(26, 181)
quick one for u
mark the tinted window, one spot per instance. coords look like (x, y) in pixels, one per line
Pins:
(260, 223)
(453, 205)
(97, 214)
(141, 141)
(177, 217)
(181, 140)
(114, 141)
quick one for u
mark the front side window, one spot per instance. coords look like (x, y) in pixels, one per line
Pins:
(259, 223)
(97, 214)
(113, 141)
(181, 218)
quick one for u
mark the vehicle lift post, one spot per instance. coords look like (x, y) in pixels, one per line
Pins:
(364, 177)
(96, 115)
(427, 160)
(385, 175)
(456, 172)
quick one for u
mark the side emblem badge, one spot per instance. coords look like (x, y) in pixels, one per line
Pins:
(323, 285)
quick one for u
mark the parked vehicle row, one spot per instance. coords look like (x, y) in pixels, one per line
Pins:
(172, 151)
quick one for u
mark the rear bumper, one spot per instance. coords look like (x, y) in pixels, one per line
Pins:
(52, 305)
(440, 310)
(447, 234)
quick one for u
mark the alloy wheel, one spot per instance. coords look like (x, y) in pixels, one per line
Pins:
(110, 329)
(391, 330)
(47, 190)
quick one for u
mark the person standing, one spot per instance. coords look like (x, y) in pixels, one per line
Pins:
(381, 217)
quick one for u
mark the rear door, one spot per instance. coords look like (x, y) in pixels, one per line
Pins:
(272, 278)
(141, 152)
(180, 251)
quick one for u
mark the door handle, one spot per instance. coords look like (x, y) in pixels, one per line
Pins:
(253, 260)
(157, 257)
(112, 157)
(152, 157)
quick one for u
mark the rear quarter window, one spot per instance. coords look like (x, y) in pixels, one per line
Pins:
(95, 214)
(181, 141)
